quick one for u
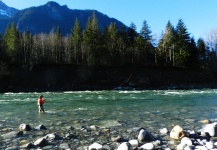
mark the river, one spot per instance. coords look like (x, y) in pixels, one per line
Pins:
(153, 109)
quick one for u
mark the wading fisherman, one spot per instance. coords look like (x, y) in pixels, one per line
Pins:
(40, 104)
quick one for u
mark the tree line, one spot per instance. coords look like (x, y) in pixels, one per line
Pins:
(108, 47)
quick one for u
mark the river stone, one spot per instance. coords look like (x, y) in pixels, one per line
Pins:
(210, 145)
(180, 146)
(93, 127)
(193, 134)
(24, 127)
(199, 147)
(157, 143)
(41, 142)
(210, 128)
(116, 138)
(148, 146)
(186, 141)
(164, 131)
(95, 146)
(27, 146)
(48, 147)
(189, 148)
(134, 143)
(12, 148)
(70, 128)
(22, 142)
(64, 146)
(106, 147)
(41, 127)
(12, 134)
(205, 121)
(70, 136)
(82, 148)
(175, 132)
(142, 134)
(52, 136)
(125, 146)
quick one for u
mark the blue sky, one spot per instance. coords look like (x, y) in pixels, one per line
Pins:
(199, 16)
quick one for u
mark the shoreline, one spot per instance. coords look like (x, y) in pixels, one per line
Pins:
(43, 78)
(65, 136)
(100, 88)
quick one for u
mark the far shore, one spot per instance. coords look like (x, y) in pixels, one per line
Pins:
(57, 78)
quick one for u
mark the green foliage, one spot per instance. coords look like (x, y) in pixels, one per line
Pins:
(91, 40)
(76, 41)
(145, 32)
(12, 42)
(202, 50)
(176, 48)
(94, 47)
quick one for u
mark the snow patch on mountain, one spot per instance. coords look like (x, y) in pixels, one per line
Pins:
(5, 10)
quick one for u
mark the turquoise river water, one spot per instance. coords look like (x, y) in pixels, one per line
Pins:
(150, 109)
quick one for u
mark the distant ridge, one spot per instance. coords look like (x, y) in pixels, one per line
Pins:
(51, 15)
(5, 11)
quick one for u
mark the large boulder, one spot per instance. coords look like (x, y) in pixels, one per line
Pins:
(41, 127)
(210, 128)
(41, 142)
(175, 132)
(142, 134)
(24, 127)
(145, 136)
(134, 143)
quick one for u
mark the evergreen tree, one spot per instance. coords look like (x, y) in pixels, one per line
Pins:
(76, 40)
(201, 46)
(132, 36)
(12, 43)
(193, 51)
(2, 52)
(122, 45)
(145, 32)
(182, 44)
(91, 40)
(112, 42)
(144, 48)
(203, 51)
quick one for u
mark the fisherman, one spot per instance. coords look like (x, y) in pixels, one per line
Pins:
(40, 104)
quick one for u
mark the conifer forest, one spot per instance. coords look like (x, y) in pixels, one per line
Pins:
(111, 46)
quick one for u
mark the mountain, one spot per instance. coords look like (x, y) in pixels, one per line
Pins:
(51, 15)
(5, 11)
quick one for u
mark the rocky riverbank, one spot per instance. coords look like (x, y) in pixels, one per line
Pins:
(64, 136)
